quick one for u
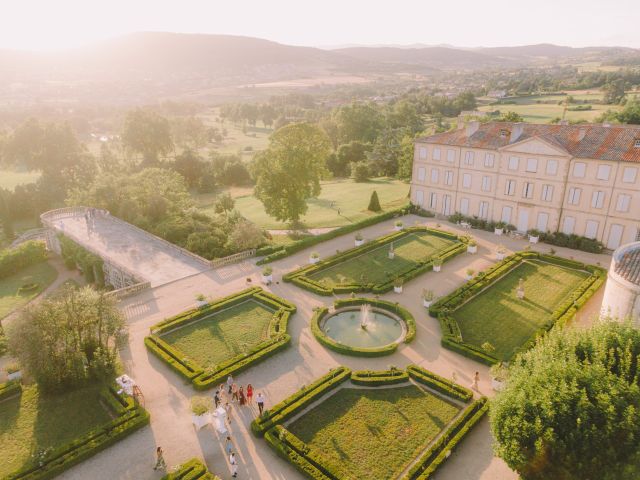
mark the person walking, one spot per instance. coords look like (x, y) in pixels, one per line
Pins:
(241, 397)
(228, 445)
(227, 408)
(216, 398)
(160, 463)
(234, 393)
(476, 380)
(260, 400)
(234, 465)
(249, 394)
(229, 382)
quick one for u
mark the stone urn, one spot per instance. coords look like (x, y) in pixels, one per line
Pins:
(472, 248)
(498, 231)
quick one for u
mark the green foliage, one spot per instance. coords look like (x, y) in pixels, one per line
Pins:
(13, 260)
(76, 255)
(9, 389)
(374, 202)
(147, 133)
(193, 469)
(360, 172)
(288, 172)
(570, 406)
(440, 384)
(371, 378)
(572, 241)
(511, 117)
(360, 122)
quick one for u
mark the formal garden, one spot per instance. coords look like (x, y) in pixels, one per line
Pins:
(208, 343)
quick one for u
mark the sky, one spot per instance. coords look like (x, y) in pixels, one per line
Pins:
(59, 24)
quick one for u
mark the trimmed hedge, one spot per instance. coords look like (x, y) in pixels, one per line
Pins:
(203, 378)
(193, 469)
(315, 466)
(301, 277)
(276, 252)
(451, 335)
(129, 417)
(29, 253)
(75, 255)
(9, 389)
(330, 343)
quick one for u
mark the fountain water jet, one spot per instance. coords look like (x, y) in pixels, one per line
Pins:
(365, 313)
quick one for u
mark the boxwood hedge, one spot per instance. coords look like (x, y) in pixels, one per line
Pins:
(445, 306)
(193, 469)
(320, 313)
(128, 416)
(316, 466)
(9, 389)
(302, 276)
(203, 378)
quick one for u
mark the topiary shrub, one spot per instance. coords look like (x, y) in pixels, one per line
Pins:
(374, 203)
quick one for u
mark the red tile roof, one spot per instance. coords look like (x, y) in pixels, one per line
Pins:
(628, 267)
(615, 142)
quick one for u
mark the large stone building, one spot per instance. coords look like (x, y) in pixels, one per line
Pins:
(577, 179)
(622, 294)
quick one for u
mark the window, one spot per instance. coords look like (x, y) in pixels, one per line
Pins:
(464, 206)
(448, 177)
(591, 230)
(503, 133)
(510, 187)
(513, 163)
(451, 156)
(547, 193)
(488, 160)
(637, 234)
(436, 154)
(466, 180)
(568, 225)
(532, 165)
(423, 153)
(486, 183)
(483, 210)
(527, 191)
(433, 201)
(543, 219)
(446, 205)
(603, 172)
(421, 173)
(552, 167)
(506, 215)
(419, 197)
(597, 199)
(574, 196)
(623, 203)
(629, 174)
(636, 143)
(468, 158)
(579, 169)
(434, 175)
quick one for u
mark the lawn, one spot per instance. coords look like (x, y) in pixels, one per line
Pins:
(222, 335)
(347, 197)
(374, 433)
(497, 316)
(375, 266)
(42, 273)
(33, 422)
(9, 179)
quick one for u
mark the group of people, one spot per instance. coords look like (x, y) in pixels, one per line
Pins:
(90, 216)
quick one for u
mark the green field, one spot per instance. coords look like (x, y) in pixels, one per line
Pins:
(42, 273)
(375, 266)
(34, 422)
(345, 196)
(9, 179)
(223, 334)
(374, 433)
(497, 316)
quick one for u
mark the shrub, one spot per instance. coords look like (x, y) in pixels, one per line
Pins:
(193, 469)
(9, 389)
(359, 172)
(374, 203)
(200, 405)
(12, 260)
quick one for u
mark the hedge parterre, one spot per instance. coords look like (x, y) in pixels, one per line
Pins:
(397, 435)
(201, 363)
(193, 469)
(486, 309)
(369, 268)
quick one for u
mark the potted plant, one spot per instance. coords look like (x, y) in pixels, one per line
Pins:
(398, 225)
(428, 297)
(267, 275)
(472, 246)
(13, 372)
(470, 273)
(534, 235)
(501, 252)
(437, 264)
(200, 408)
(201, 300)
(397, 285)
(359, 239)
(314, 257)
(499, 228)
(498, 376)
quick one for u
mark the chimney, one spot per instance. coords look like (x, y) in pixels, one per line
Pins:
(516, 132)
(581, 133)
(472, 127)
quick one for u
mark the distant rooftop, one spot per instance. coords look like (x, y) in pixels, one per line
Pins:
(600, 142)
(628, 263)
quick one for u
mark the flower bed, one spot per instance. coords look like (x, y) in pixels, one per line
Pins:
(202, 376)
(317, 463)
(355, 264)
(586, 279)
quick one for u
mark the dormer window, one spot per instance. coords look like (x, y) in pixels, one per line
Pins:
(504, 133)
(636, 142)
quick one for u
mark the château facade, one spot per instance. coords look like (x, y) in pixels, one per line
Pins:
(577, 179)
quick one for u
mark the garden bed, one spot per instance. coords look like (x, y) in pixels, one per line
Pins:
(386, 431)
(205, 345)
(193, 469)
(485, 320)
(369, 268)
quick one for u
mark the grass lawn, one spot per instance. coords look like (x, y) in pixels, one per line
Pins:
(376, 266)
(9, 179)
(497, 316)
(223, 334)
(33, 422)
(374, 433)
(42, 273)
(347, 196)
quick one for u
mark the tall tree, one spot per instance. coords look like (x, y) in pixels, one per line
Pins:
(288, 172)
(358, 121)
(147, 133)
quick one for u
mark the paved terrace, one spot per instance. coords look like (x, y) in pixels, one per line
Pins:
(125, 245)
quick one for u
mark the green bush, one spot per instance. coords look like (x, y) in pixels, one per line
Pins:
(75, 255)
(9, 389)
(193, 469)
(379, 377)
(374, 203)
(12, 260)
(439, 383)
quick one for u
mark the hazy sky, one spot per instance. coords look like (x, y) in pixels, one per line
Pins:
(50, 24)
